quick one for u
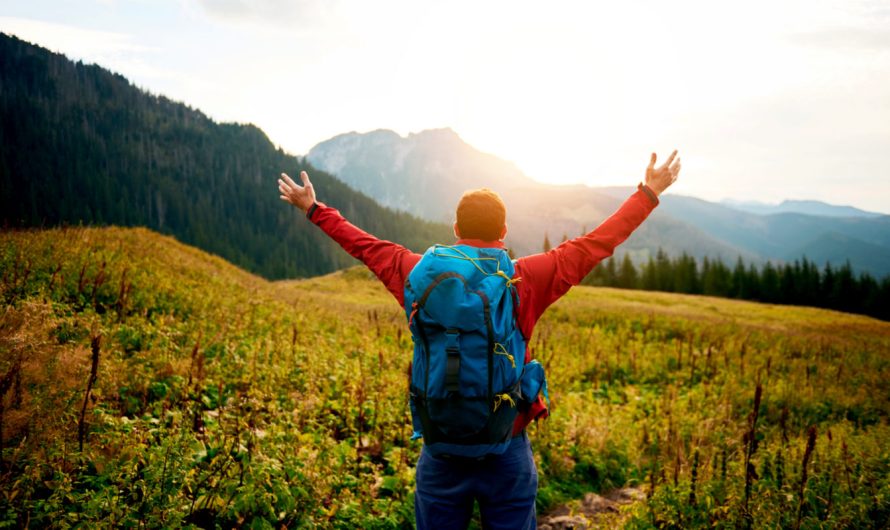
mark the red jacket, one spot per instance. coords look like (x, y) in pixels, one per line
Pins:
(545, 277)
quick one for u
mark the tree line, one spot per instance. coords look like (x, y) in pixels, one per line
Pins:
(802, 282)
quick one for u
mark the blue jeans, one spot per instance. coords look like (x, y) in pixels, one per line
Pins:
(505, 486)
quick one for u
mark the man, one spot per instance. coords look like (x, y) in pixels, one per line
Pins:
(505, 485)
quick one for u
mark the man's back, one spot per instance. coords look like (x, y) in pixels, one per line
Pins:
(505, 485)
(543, 278)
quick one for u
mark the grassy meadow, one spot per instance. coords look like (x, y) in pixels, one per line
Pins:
(144, 383)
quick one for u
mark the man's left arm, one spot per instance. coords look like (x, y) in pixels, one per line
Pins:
(548, 276)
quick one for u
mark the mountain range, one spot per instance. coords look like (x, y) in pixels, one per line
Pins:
(80, 144)
(425, 173)
(798, 206)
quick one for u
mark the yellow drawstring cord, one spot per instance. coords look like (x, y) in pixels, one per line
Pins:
(464, 256)
(500, 398)
(504, 352)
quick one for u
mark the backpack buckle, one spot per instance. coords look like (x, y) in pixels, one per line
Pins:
(452, 363)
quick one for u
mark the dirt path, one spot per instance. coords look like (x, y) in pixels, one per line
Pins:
(594, 511)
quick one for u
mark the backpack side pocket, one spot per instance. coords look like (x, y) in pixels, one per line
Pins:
(533, 383)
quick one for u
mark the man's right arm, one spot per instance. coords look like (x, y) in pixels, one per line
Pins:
(390, 262)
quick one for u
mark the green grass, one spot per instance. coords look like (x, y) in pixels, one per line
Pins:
(224, 399)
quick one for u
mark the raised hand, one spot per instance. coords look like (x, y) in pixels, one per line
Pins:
(659, 179)
(300, 196)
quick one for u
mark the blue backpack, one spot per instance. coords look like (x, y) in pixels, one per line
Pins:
(467, 376)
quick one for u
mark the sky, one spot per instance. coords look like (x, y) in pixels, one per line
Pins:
(766, 99)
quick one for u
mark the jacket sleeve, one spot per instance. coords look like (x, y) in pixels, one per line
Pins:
(389, 261)
(548, 276)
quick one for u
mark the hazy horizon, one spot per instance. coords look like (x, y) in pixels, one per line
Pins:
(766, 103)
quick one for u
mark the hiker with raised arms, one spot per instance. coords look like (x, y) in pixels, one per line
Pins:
(471, 311)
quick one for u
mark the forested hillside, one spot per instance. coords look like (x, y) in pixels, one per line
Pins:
(79, 144)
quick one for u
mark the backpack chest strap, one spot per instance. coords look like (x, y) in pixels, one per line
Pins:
(452, 364)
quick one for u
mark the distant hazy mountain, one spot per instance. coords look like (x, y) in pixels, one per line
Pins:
(423, 173)
(865, 241)
(795, 206)
(426, 172)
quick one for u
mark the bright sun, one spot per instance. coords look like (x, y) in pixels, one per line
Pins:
(561, 100)
(586, 94)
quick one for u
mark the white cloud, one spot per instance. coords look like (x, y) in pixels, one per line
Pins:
(71, 40)
(276, 12)
(331, 18)
(116, 51)
(844, 39)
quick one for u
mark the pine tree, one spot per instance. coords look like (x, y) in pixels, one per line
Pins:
(664, 271)
(769, 284)
(740, 281)
(649, 280)
(826, 288)
(787, 284)
(686, 278)
(627, 274)
(845, 288)
(754, 283)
